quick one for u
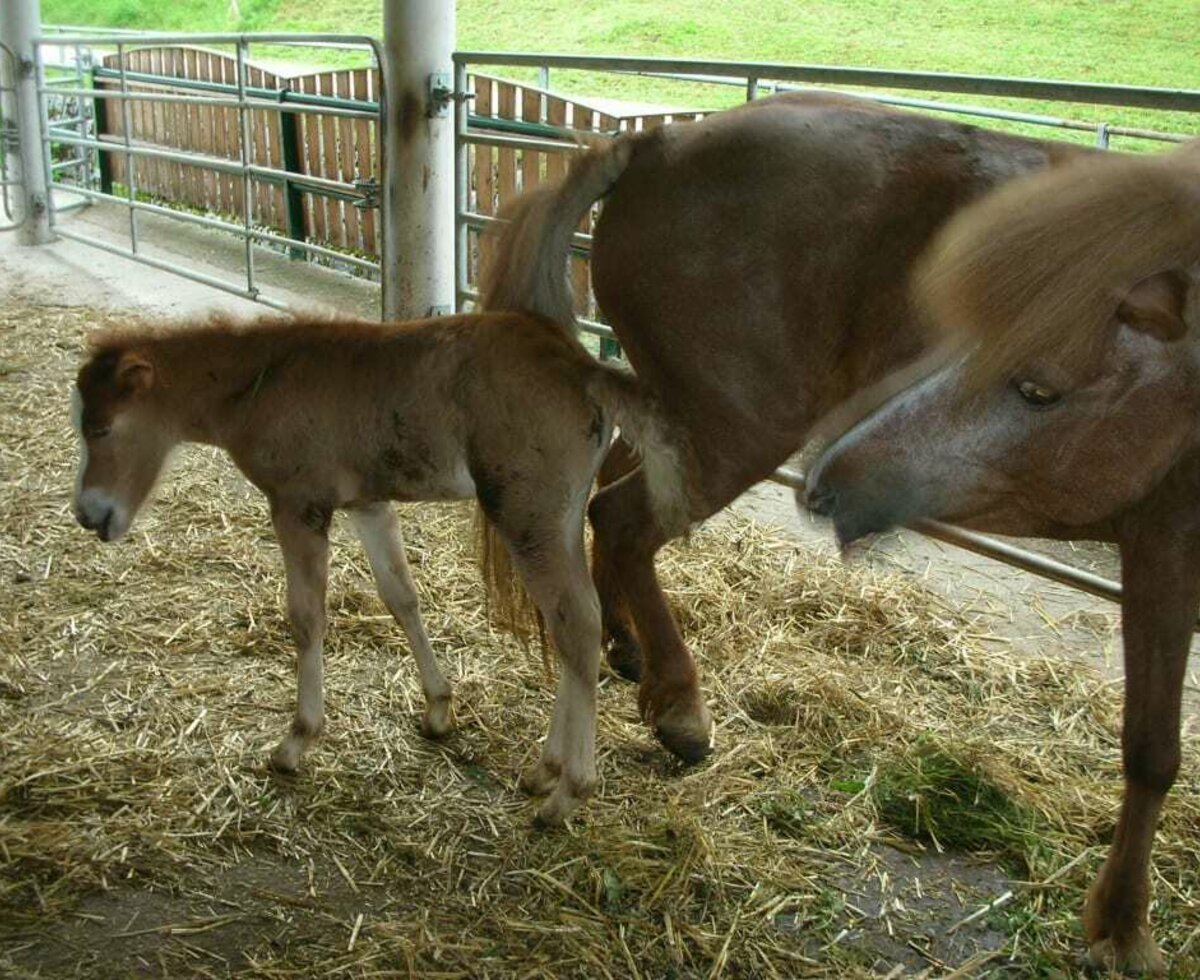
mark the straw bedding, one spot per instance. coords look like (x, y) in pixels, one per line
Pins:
(880, 775)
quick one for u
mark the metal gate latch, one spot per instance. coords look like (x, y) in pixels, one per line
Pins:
(369, 189)
(441, 94)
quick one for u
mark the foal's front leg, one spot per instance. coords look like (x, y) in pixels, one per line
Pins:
(302, 538)
(380, 534)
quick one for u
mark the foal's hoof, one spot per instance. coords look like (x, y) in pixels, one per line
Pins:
(540, 779)
(438, 720)
(285, 759)
(1139, 957)
(624, 655)
(561, 803)
(686, 731)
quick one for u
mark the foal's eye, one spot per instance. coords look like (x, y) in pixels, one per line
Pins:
(1037, 395)
(97, 431)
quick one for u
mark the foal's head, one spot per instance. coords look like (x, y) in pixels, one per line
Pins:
(124, 441)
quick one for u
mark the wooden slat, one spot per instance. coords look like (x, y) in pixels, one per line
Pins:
(485, 177)
(204, 134)
(311, 157)
(556, 115)
(344, 86)
(139, 118)
(233, 136)
(531, 162)
(329, 166)
(179, 129)
(259, 121)
(506, 163)
(274, 131)
(367, 147)
(219, 145)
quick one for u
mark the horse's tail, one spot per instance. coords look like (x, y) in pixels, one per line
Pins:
(526, 268)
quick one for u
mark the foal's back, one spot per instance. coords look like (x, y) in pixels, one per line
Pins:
(352, 412)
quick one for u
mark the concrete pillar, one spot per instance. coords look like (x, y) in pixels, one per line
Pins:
(418, 158)
(20, 24)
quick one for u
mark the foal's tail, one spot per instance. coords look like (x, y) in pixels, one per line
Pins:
(526, 272)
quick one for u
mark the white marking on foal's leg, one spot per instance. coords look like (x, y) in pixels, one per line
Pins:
(306, 560)
(562, 587)
(540, 778)
(380, 534)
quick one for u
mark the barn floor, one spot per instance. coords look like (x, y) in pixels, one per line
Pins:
(884, 770)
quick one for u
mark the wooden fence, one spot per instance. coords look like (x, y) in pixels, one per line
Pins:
(321, 145)
(318, 145)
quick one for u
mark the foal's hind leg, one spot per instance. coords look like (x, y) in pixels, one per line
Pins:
(557, 579)
(379, 532)
(306, 561)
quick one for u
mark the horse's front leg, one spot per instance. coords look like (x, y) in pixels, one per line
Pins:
(302, 535)
(1161, 584)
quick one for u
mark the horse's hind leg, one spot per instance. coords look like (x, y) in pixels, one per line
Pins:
(627, 537)
(379, 532)
(624, 655)
(302, 538)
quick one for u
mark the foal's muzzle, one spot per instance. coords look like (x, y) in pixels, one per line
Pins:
(97, 512)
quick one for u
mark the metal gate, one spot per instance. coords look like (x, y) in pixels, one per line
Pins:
(134, 83)
(10, 142)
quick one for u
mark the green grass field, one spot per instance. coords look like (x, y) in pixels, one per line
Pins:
(1117, 41)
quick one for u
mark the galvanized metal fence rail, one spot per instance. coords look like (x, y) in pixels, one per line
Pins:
(514, 123)
(147, 129)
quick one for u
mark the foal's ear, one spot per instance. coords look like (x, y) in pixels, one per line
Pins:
(134, 373)
(1156, 304)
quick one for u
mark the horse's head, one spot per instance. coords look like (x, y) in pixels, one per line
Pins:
(1053, 446)
(1077, 291)
(123, 440)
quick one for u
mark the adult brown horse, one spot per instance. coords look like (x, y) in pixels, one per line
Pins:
(754, 268)
(1076, 415)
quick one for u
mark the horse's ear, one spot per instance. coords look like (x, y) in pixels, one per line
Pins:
(134, 373)
(1156, 304)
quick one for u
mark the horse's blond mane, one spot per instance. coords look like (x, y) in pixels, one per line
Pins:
(1040, 266)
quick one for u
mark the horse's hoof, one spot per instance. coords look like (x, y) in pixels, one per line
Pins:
(686, 732)
(625, 656)
(438, 720)
(1138, 957)
(540, 779)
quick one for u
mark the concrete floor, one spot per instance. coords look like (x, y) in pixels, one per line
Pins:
(1028, 614)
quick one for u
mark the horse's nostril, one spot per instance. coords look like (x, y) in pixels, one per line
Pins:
(820, 500)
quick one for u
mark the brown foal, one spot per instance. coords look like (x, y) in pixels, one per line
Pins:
(327, 415)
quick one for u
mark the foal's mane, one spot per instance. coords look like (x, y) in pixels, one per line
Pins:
(1040, 266)
(144, 335)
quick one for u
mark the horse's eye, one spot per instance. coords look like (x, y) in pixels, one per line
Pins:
(1037, 395)
(97, 431)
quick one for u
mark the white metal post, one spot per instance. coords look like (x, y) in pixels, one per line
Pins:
(20, 26)
(418, 158)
